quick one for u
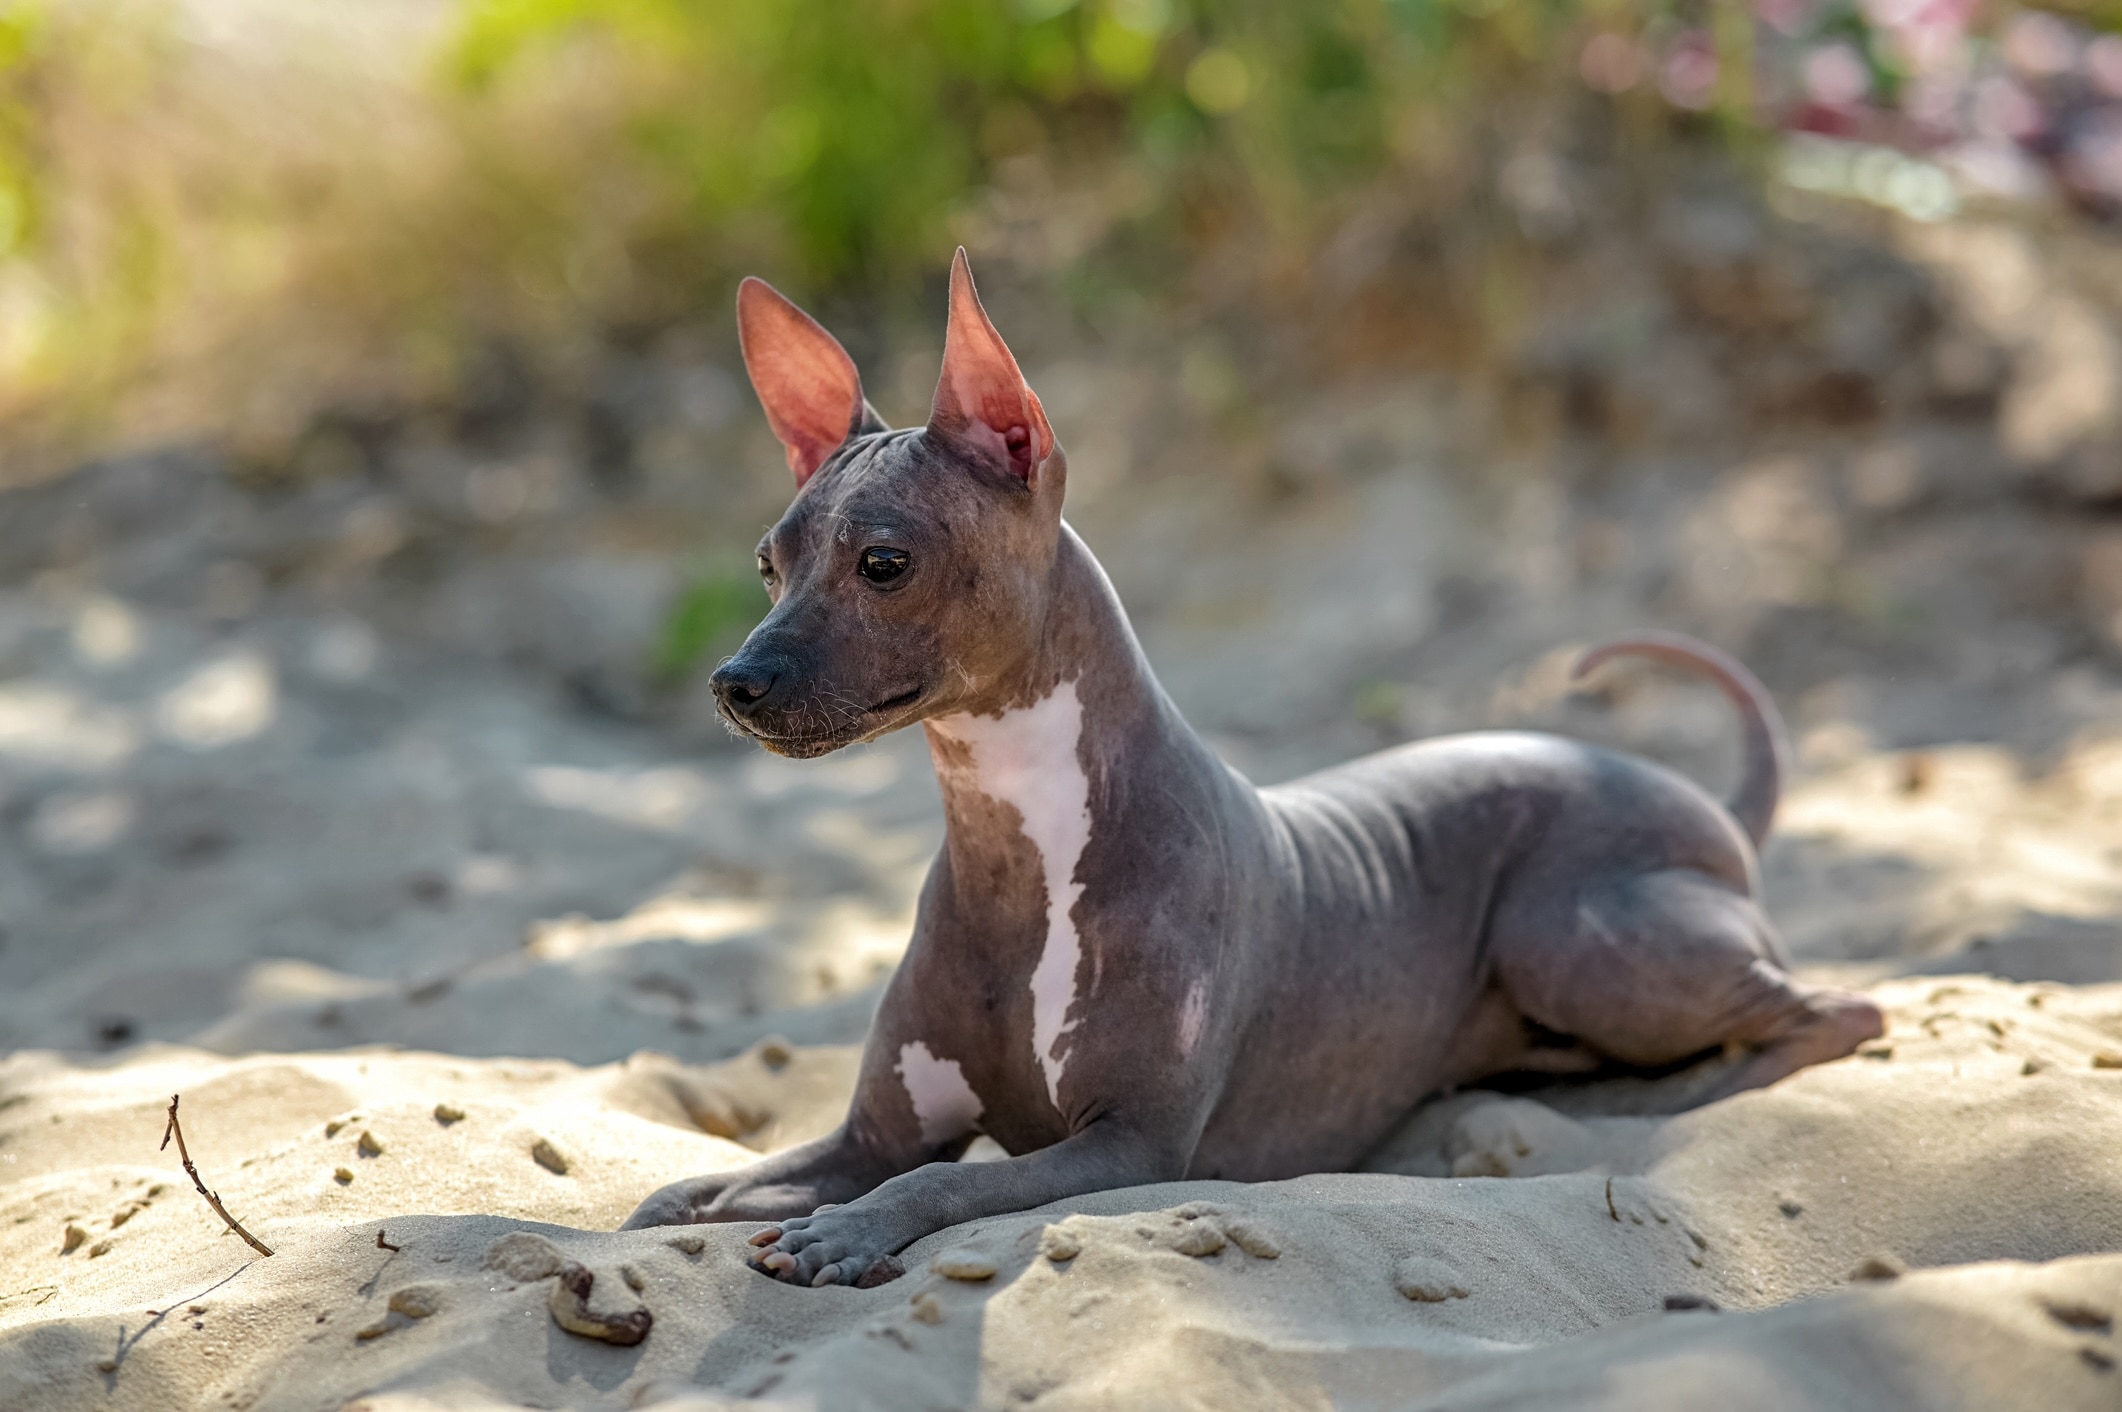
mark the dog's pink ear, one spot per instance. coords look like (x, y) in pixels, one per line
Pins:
(982, 400)
(804, 378)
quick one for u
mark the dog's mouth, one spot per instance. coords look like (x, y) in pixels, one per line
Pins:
(863, 725)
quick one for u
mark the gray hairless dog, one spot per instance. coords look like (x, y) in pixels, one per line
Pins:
(1130, 965)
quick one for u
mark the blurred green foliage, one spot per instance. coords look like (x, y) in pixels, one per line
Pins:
(856, 131)
(710, 618)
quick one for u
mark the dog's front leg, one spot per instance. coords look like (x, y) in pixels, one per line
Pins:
(837, 1167)
(841, 1244)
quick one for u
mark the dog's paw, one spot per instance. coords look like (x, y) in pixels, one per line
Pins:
(834, 1245)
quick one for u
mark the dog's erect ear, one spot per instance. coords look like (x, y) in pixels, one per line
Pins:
(982, 400)
(804, 378)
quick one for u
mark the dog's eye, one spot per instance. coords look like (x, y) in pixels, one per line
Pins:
(766, 568)
(880, 565)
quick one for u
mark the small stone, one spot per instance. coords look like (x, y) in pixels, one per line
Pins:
(71, 1241)
(367, 1145)
(375, 1330)
(124, 1214)
(774, 1052)
(687, 1244)
(1876, 1049)
(2033, 1066)
(549, 1157)
(1200, 1238)
(967, 1265)
(416, 1301)
(927, 1309)
(101, 1247)
(2108, 1059)
(633, 1278)
(574, 1308)
(1429, 1281)
(447, 1113)
(344, 1176)
(1254, 1240)
(1059, 1244)
(1879, 1267)
(106, 1365)
(332, 1128)
(523, 1257)
(1791, 1206)
(1687, 1303)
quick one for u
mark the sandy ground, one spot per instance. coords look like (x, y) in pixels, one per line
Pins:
(340, 808)
(1501, 1252)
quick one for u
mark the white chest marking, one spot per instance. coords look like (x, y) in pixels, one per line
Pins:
(944, 1103)
(1192, 1015)
(1026, 759)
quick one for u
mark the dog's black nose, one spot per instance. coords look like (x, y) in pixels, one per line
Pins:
(740, 685)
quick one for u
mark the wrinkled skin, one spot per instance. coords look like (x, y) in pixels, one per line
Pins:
(1129, 965)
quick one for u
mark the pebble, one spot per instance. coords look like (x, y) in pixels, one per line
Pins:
(968, 1265)
(2033, 1066)
(447, 1113)
(1059, 1244)
(687, 1244)
(927, 1309)
(71, 1241)
(1252, 1239)
(774, 1052)
(367, 1145)
(101, 1247)
(573, 1310)
(1687, 1303)
(416, 1301)
(523, 1257)
(1879, 1267)
(549, 1157)
(1429, 1281)
(2108, 1059)
(1199, 1238)
(344, 1176)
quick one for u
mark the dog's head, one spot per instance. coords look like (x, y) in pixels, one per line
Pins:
(910, 576)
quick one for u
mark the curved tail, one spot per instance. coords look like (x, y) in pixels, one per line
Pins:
(1754, 805)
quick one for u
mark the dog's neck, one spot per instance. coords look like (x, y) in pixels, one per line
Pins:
(1084, 700)
(1087, 723)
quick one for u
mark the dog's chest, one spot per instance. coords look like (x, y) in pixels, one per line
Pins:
(1029, 762)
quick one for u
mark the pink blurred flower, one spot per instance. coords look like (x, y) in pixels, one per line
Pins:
(1836, 76)
(1688, 78)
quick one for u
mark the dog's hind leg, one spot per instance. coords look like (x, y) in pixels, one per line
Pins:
(1652, 968)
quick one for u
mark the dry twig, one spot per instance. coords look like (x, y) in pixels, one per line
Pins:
(382, 1244)
(213, 1199)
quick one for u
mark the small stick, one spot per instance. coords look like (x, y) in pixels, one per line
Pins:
(1610, 1200)
(382, 1244)
(213, 1199)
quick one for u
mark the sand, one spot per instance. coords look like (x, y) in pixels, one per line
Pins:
(1564, 1250)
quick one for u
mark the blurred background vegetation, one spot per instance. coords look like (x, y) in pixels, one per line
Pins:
(289, 228)
(226, 213)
